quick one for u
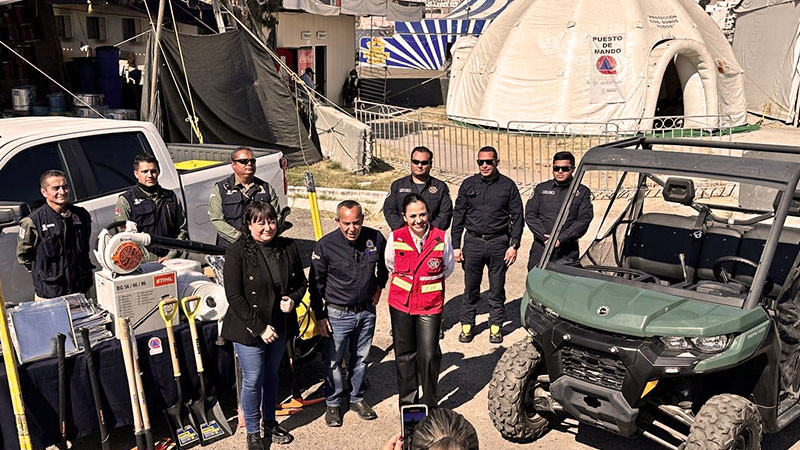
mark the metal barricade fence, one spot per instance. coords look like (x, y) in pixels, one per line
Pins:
(525, 148)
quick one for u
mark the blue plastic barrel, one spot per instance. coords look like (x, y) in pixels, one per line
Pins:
(112, 89)
(107, 61)
(57, 102)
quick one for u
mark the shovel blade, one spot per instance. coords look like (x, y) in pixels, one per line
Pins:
(211, 421)
(183, 433)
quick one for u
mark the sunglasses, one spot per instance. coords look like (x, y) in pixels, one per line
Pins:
(245, 162)
(417, 162)
(488, 162)
(562, 168)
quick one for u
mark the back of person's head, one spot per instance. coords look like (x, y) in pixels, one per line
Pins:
(444, 429)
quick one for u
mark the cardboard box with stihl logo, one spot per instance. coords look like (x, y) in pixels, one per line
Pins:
(134, 295)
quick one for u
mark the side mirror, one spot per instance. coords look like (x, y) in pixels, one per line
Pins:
(679, 190)
(12, 212)
(794, 206)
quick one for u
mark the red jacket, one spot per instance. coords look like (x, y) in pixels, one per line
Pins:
(417, 286)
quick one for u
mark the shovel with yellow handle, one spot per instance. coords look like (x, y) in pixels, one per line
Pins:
(305, 317)
(13, 380)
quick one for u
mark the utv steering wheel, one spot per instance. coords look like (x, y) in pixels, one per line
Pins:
(631, 274)
(722, 275)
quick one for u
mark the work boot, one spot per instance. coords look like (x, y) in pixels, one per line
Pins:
(254, 441)
(466, 334)
(279, 434)
(333, 416)
(495, 335)
(363, 410)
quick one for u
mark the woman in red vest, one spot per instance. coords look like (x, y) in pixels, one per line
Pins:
(420, 257)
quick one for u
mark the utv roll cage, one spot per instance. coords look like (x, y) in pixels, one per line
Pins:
(639, 154)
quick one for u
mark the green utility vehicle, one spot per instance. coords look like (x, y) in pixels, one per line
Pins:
(680, 322)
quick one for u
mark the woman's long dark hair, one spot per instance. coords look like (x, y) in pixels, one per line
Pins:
(256, 211)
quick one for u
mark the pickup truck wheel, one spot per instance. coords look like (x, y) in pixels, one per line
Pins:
(512, 392)
(726, 422)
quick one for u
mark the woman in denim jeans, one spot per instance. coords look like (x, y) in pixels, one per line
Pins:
(264, 280)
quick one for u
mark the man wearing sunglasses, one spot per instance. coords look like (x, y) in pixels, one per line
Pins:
(543, 207)
(420, 182)
(230, 197)
(489, 208)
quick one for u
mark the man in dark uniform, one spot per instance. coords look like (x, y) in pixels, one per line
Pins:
(230, 197)
(420, 182)
(349, 273)
(155, 210)
(543, 207)
(489, 207)
(53, 242)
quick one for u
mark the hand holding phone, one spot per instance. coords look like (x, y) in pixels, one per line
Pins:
(410, 416)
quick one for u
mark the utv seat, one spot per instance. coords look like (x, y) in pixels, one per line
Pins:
(753, 242)
(656, 240)
(718, 241)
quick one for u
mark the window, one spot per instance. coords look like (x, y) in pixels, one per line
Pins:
(96, 28)
(130, 28)
(19, 178)
(64, 27)
(111, 158)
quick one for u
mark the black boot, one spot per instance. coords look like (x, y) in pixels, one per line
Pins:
(254, 441)
(279, 434)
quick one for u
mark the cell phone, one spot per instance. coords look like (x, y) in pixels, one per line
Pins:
(410, 416)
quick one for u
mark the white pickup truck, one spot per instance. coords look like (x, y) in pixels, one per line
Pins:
(97, 156)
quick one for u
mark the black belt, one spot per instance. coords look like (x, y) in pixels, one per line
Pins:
(486, 237)
(350, 308)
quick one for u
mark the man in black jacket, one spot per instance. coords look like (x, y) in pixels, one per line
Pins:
(542, 210)
(489, 208)
(53, 242)
(435, 192)
(347, 271)
(155, 210)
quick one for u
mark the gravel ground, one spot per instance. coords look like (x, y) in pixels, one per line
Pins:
(465, 375)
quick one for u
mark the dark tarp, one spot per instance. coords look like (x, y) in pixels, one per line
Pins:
(238, 96)
(39, 381)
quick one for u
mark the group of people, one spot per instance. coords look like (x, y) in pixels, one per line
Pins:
(350, 267)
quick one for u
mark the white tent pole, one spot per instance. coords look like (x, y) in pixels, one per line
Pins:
(154, 73)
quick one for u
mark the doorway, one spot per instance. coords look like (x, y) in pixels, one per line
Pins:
(670, 95)
(320, 54)
(686, 76)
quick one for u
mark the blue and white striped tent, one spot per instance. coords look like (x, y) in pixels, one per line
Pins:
(417, 45)
(424, 44)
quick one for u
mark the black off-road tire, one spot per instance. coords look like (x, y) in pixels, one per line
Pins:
(725, 422)
(517, 368)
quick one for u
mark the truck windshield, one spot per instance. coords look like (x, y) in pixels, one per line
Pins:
(704, 237)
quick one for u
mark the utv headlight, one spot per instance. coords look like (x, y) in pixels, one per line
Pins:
(536, 305)
(675, 343)
(550, 313)
(712, 344)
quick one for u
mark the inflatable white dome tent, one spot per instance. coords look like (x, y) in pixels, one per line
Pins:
(598, 61)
